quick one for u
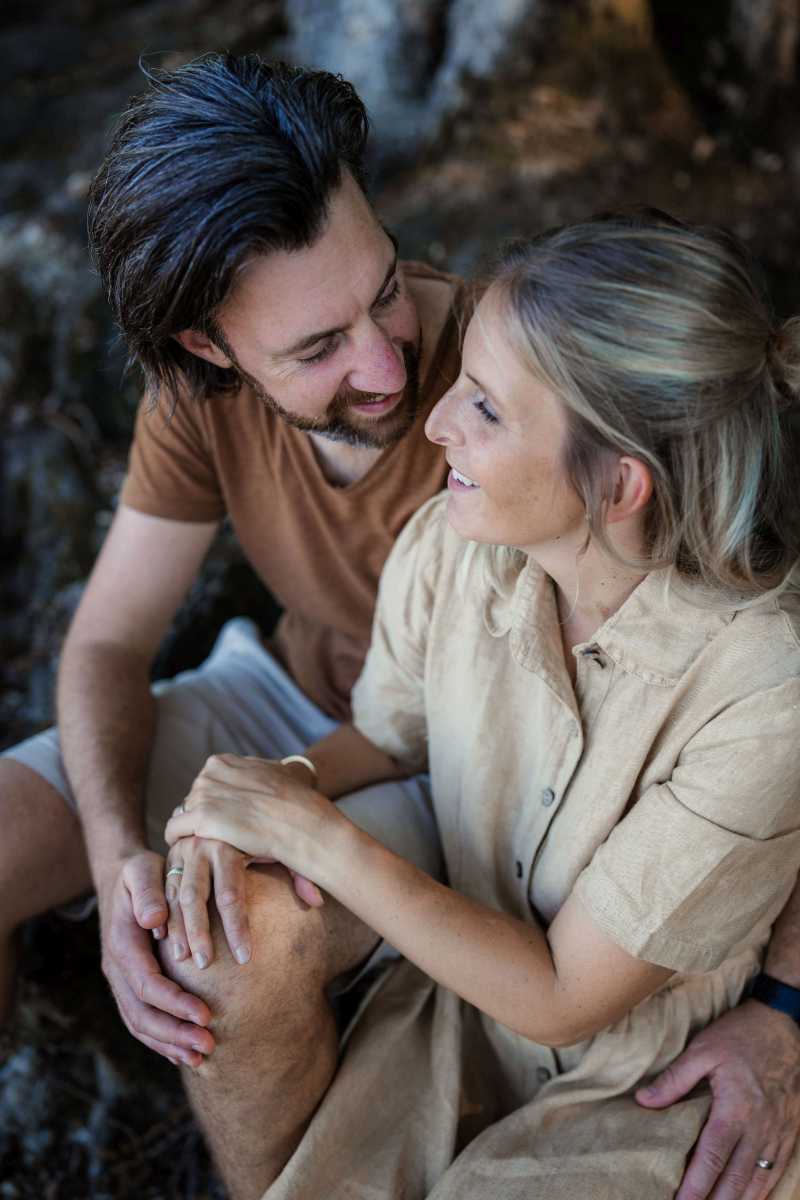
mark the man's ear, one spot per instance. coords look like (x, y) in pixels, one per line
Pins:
(201, 345)
(633, 487)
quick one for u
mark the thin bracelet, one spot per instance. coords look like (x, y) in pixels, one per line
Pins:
(301, 758)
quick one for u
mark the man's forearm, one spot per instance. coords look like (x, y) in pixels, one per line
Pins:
(346, 761)
(106, 722)
(783, 952)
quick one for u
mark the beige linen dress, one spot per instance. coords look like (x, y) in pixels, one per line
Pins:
(662, 790)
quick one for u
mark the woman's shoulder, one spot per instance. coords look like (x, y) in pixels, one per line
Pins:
(425, 559)
(427, 537)
(769, 634)
(788, 606)
(673, 633)
(752, 665)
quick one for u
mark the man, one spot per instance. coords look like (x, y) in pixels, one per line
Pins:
(289, 362)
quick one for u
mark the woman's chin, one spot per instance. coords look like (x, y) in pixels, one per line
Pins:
(467, 526)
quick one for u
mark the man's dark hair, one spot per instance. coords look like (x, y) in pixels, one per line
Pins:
(220, 159)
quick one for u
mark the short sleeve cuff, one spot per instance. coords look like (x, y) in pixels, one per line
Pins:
(688, 916)
(199, 510)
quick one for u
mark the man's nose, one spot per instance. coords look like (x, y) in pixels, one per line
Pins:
(378, 367)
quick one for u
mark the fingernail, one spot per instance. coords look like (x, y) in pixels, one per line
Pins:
(198, 1048)
(201, 959)
(242, 955)
(158, 933)
(178, 950)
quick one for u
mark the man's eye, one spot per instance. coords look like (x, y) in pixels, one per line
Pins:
(485, 411)
(389, 297)
(325, 352)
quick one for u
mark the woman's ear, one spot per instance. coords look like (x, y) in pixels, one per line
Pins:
(633, 487)
(201, 345)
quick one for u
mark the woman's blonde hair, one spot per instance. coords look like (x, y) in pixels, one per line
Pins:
(661, 344)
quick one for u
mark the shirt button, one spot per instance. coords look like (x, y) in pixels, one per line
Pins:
(548, 796)
(595, 654)
(542, 1074)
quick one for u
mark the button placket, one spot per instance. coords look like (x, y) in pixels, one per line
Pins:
(550, 799)
(595, 672)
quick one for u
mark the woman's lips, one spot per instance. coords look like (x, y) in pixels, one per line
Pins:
(457, 482)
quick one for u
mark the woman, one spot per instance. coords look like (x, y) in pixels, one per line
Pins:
(593, 642)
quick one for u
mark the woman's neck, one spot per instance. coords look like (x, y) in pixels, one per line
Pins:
(591, 593)
(590, 585)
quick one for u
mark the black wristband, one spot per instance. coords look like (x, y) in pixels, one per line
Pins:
(774, 994)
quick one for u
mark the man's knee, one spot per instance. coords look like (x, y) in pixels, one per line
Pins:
(288, 970)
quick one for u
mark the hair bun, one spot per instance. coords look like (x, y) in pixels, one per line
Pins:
(778, 355)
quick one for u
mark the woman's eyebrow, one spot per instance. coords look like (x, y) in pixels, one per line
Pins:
(489, 395)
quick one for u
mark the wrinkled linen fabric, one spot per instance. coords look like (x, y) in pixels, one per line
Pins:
(662, 790)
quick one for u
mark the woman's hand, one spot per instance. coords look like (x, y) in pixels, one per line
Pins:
(194, 865)
(263, 810)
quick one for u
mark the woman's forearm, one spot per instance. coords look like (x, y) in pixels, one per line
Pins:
(492, 960)
(557, 989)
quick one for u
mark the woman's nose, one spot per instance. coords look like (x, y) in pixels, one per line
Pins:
(440, 426)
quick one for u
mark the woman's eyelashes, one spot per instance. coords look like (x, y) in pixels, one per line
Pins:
(385, 300)
(482, 405)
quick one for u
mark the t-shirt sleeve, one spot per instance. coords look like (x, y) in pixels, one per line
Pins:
(171, 472)
(389, 697)
(704, 856)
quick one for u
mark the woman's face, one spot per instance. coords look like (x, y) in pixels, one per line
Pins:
(504, 433)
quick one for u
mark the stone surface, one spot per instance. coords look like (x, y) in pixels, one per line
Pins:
(410, 62)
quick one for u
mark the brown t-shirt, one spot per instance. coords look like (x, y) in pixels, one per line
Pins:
(317, 547)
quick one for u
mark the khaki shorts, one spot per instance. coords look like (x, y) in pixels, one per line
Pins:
(241, 701)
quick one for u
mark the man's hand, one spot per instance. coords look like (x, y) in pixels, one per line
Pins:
(155, 1010)
(751, 1058)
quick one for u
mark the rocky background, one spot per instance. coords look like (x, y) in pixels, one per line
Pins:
(490, 120)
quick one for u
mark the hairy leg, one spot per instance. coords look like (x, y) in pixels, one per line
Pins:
(276, 1038)
(42, 859)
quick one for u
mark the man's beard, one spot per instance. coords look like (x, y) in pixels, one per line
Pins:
(340, 424)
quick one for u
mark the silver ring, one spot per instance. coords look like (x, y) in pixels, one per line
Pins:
(766, 1164)
(174, 871)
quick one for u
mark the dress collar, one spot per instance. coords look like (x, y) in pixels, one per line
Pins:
(656, 634)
